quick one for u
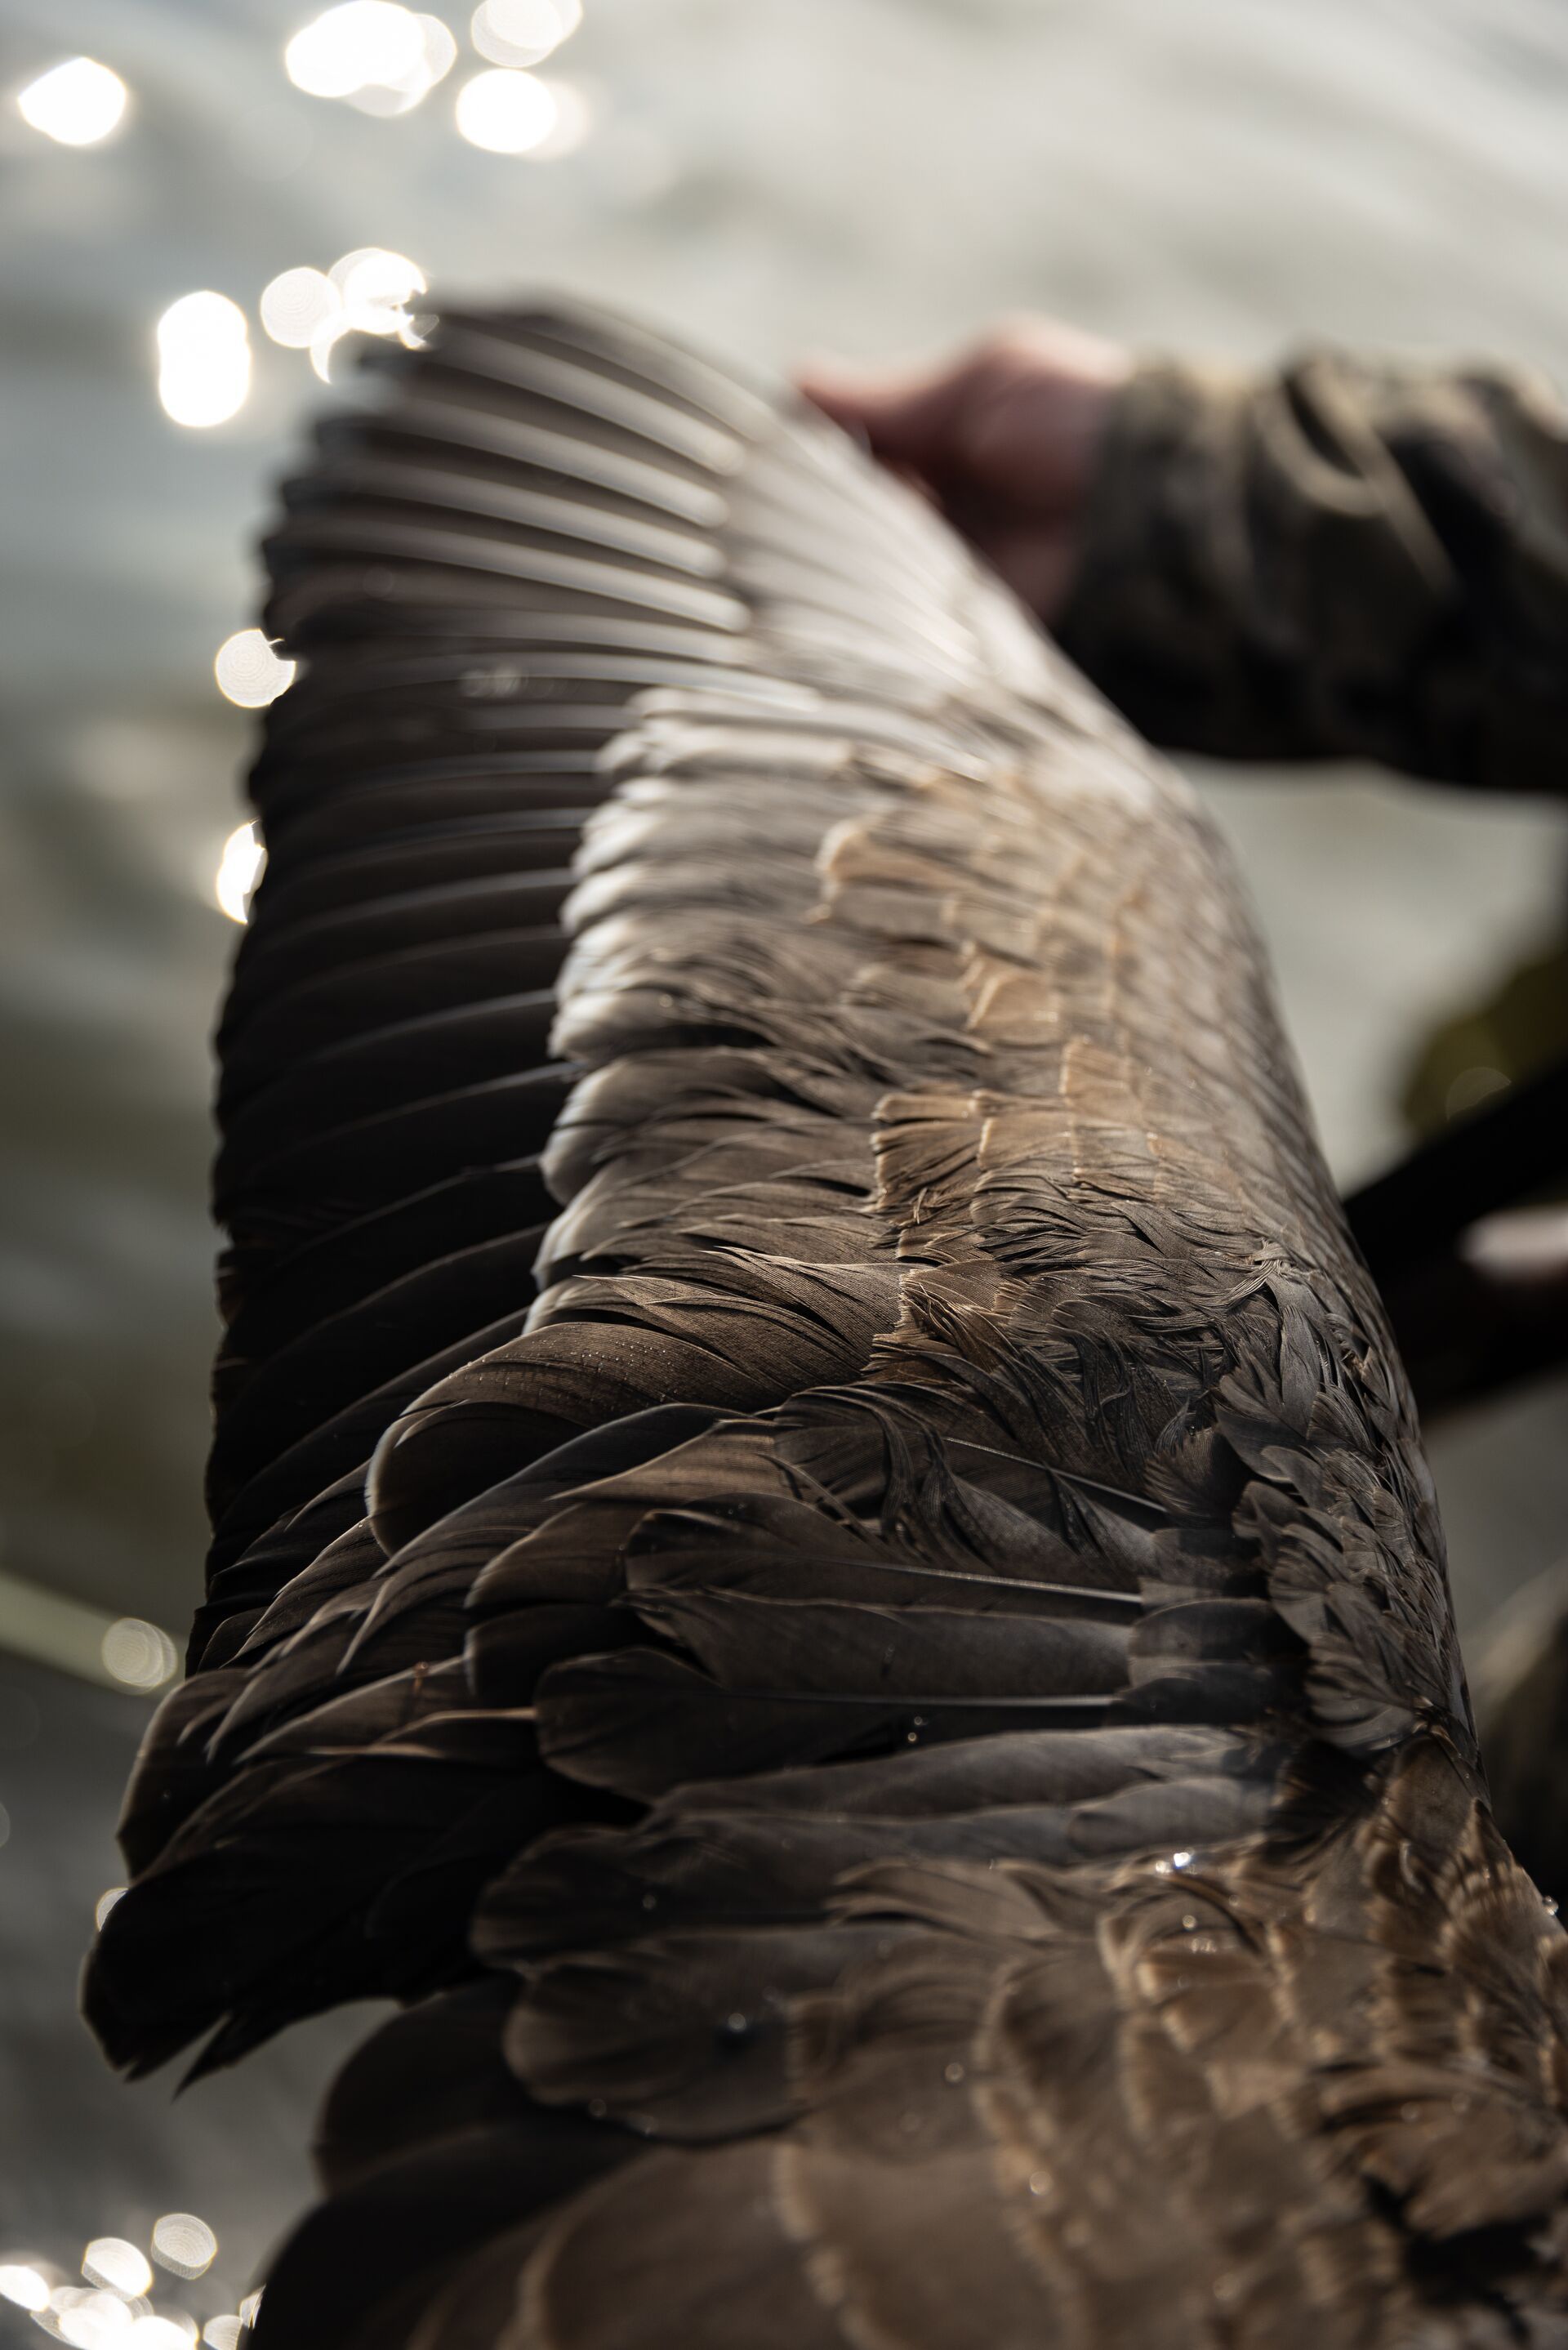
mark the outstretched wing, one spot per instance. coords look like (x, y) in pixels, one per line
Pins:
(795, 1400)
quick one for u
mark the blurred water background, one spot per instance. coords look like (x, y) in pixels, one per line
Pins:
(781, 176)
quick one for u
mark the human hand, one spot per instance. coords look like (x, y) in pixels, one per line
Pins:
(1004, 439)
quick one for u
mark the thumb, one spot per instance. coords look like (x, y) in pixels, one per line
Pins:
(906, 414)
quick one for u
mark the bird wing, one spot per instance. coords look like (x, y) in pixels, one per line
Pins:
(811, 1500)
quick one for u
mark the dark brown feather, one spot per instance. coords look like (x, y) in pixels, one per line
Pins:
(905, 1722)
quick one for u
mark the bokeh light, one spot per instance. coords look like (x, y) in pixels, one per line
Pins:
(522, 32)
(183, 2244)
(105, 1903)
(297, 305)
(377, 286)
(167, 2330)
(351, 46)
(78, 102)
(110, 2259)
(249, 672)
(371, 289)
(23, 2284)
(381, 57)
(223, 2333)
(77, 2315)
(204, 359)
(141, 1656)
(91, 2319)
(507, 112)
(438, 55)
(240, 868)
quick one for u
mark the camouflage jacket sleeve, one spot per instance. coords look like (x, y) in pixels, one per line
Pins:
(1344, 558)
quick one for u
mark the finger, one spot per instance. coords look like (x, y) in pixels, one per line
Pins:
(908, 415)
